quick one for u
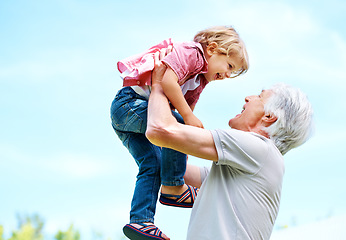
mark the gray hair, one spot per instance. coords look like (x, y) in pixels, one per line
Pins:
(294, 124)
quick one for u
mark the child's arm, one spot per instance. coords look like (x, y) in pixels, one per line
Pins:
(173, 92)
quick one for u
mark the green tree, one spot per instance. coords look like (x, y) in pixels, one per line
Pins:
(1, 232)
(30, 228)
(26, 232)
(70, 234)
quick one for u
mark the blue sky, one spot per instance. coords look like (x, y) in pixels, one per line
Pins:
(59, 156)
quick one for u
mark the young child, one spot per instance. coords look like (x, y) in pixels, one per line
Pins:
(215, 54)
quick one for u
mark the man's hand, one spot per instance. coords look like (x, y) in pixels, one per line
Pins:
(159, 67)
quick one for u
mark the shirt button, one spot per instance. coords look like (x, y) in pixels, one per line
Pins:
(138, 82)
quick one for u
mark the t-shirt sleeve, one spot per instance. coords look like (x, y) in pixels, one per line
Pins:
(240, 150)
(186, 60)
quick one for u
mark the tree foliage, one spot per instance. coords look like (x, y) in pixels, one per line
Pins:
(70, 234)
(31, 227)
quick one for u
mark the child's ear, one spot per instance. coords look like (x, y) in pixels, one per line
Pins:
(211, 48)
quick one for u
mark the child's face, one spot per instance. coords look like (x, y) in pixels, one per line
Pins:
(220, 66)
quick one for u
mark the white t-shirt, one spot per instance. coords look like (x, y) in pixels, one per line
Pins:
(240, 197)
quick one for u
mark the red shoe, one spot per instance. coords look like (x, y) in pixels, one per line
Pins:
(143, 232)
(180, 201)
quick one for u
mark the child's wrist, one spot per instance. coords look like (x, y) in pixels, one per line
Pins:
(156, 86)
(186, 114)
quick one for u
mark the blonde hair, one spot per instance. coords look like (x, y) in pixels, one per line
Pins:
(229, 43)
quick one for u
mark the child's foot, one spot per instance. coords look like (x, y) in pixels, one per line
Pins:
(173, 190)
(143, 231)
(178, 196)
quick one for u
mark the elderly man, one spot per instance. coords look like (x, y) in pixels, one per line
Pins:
(240, 196)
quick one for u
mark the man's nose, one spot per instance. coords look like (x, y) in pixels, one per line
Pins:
(248, 98)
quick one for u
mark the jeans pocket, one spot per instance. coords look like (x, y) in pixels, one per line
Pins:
(130, 116)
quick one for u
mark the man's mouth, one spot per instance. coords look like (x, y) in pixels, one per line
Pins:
(241, 112)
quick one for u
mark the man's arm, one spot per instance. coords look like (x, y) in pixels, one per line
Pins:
(193, 176)
(163, 129)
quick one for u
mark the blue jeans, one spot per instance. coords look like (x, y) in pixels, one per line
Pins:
(156, 165)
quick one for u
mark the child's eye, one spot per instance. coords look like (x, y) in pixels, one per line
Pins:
(230, 66)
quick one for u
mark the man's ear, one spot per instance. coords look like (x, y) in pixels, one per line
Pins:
(269, 119)
(211, 48)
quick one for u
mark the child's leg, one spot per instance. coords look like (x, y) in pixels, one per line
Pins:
(174, 191)
(173, 163)
(129, 119)
(147, 157)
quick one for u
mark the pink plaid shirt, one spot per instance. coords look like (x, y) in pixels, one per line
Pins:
(187, 60)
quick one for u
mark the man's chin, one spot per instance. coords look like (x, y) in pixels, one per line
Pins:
(234, 122)
(230, 122)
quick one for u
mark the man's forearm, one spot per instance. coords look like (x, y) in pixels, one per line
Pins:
(164, 130)
(159, 115)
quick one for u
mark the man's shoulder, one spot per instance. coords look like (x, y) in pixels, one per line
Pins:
(240, 133)
(237, 139)
(235, 132)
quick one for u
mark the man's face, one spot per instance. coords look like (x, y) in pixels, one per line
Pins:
(253, 112)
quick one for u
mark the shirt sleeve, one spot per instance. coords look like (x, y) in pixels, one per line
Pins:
(186, 60)
(136, 70)
(240, 150)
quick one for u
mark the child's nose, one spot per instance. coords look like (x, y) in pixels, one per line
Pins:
(228, 74)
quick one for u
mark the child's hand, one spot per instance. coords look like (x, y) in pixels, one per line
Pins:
(192, 120)
(159, 67)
